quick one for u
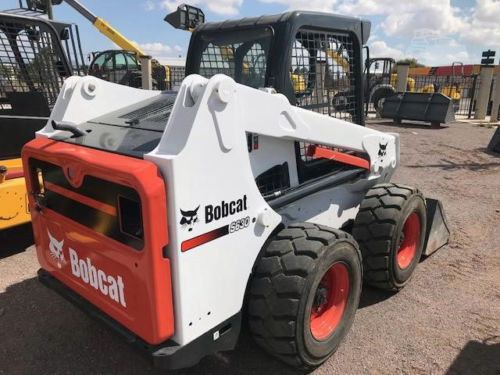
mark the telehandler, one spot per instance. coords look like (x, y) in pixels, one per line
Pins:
(122, 66)
(167, 215)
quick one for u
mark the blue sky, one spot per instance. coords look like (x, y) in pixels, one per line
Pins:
(436, 32)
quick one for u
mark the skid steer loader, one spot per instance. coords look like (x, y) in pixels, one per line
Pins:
(167, 215)
(36, 55)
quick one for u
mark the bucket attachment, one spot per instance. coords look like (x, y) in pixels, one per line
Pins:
(186, 17)
(494, 144)
(437, 231)
(435, 108)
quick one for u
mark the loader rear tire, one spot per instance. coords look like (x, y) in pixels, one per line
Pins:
(304, 293)
(379, 95)
(390, 230)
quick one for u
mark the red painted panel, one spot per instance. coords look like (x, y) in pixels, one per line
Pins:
(131, 286)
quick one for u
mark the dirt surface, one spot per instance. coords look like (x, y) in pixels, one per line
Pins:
(447, 320)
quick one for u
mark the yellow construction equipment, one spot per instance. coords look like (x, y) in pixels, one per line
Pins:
(36, 56)
(104, 27)
(161, 73)
(14, 208)
(299, 82)
(410, 82)
(339, 59)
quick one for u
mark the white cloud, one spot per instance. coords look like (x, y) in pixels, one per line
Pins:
(149, 5)
(405, 18)
(379, 48)
(159, 50)
(434, 31)
(487, 12)
(224, 7)
(437, 18)
(484, 27)
(153, 48)
(317, 5)
(442, 52)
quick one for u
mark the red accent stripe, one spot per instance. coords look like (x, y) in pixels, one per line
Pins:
(104, 207)
(204, 238)
(14, 173)
(320, 152)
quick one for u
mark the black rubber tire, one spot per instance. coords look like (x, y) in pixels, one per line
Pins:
(283, 288)
(378, 229)
(379, 94)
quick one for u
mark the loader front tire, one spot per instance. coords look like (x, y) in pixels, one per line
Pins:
(304, 293)
(390, 230)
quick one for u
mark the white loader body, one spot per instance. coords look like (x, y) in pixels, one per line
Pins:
(209, 172)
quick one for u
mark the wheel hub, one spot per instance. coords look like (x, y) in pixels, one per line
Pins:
(408, 241)
(321, 298)
(330, 300)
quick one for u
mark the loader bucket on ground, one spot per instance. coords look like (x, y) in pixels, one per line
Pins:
(437, 231)
(435, 108)
(494, 144)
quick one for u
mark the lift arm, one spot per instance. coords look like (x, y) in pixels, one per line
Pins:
(105, 28)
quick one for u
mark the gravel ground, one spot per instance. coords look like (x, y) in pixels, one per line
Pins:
(446, 321)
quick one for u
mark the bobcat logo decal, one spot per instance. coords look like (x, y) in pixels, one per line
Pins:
(382, 149)
(189, 218)
(56, 250)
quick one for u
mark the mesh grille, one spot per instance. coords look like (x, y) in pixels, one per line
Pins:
(30, 60)
(177, 74)
(157, 111)
(275, 181)
(323, 77)
(323, 73)
(243, 58)
(215, 60)
(304, 147)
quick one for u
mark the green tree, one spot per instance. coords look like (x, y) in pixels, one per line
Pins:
(412, 61)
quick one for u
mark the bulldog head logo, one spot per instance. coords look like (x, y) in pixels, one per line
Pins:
(382, 149)
(189, 218)
(56, 250)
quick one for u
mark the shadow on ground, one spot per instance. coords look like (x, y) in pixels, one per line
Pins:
(489, 152)
(46, 334)
(371, 296)
(409, 125)
(449, 165)
(15, 240)
(478, 358)
(42, 333)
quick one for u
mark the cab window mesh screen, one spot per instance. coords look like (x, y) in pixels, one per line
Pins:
(30, 61)
(323, 73)
(217, 60)
(177, 74)
(243, 57)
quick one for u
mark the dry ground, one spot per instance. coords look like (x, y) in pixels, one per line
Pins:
(447, 320)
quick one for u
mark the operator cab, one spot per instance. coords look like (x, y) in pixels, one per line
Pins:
(313, 58)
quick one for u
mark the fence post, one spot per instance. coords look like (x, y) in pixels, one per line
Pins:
(50, 12)
(483, 96)
(472, 96)
(403, 70)
(496, 98)
(146, 71)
